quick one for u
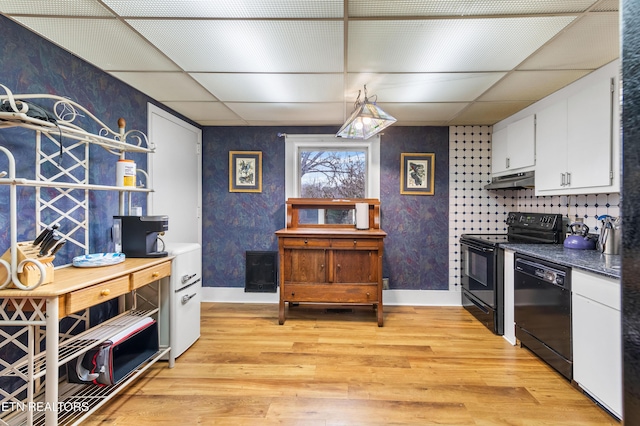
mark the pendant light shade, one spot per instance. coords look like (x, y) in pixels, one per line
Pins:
(366, 120)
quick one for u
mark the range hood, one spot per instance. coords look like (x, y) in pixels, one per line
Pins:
(514, 181)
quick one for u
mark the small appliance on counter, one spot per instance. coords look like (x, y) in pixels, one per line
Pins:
(580, 238)
(137, 236)
(609, 241)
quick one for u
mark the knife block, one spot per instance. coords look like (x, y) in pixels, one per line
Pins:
(30, 273)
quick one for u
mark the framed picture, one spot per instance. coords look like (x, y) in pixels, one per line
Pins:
(417, 173)
(245, 171)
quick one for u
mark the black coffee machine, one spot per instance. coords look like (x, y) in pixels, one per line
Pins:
(137, 236)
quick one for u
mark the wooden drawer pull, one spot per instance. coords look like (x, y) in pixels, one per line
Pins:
(355, 242)
(155, 275)
(105, 292)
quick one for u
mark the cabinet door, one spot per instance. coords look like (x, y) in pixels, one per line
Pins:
(355, 266)
(521, 143)
(499, 151)
(589, 115)
(551, 147)
(597, 353)
(305, 266)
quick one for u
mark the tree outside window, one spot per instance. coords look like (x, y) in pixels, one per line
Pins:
(336, 174)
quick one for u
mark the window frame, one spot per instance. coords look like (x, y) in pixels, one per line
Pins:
(295, 143)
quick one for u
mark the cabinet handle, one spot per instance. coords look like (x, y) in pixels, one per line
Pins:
(155, 275)
(105, 292)
(355, 242)
(368, 294)
(338, 266)
(507, 162)
(568, 179)
(305, 241)
(293, 293)
(321, 266)
(562, 179)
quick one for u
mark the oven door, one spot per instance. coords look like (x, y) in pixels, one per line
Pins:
(478, 271)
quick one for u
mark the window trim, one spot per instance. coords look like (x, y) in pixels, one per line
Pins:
(293, 144)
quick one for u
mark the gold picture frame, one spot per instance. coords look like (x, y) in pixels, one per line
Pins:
(417, 173)
(245, 171)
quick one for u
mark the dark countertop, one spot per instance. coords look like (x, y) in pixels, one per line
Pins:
(588, 260)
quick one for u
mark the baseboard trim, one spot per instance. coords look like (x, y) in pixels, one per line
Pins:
(390, 297)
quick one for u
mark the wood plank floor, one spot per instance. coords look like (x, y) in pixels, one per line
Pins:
(426, 366)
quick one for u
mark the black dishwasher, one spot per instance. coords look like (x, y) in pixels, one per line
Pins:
(543, 311)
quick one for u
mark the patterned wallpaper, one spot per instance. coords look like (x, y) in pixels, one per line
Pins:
(234, 223)
(30, 64)
(476, 210)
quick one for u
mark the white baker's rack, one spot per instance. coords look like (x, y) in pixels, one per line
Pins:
(27, 318)
(74, 189)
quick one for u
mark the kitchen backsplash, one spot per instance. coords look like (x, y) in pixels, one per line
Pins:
(472, 209)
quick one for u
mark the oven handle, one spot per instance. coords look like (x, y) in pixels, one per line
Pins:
(479, 306)
(476, 247)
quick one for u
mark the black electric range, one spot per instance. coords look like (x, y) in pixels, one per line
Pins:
(482, 262)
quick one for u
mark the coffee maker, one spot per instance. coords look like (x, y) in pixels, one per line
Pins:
(137, 236)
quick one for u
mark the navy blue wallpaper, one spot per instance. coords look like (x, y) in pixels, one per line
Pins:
(416, 249)
(30, 64)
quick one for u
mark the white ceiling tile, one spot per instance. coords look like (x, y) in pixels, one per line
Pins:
(53, 7)
(229, 8)
(273, 87)
(592, 42)
(411, 114)
(248, 46)
(298, 113)
(443, 45)
(203, 110)
(428, 87)
(100, 42)
(531, 85)
(363, 8)
(166, 86)
(488, 112)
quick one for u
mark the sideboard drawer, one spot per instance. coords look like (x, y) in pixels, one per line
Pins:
(306, 242)
(90, 296)
(149, 275)
(355, 243)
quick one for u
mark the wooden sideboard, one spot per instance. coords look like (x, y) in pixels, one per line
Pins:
(330, 262)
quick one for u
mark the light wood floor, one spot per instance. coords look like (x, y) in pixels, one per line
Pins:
(426, 366)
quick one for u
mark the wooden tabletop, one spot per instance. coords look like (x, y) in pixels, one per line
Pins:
(69, 278)
(350, 232)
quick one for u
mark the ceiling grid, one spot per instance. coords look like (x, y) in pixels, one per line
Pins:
(303, 62)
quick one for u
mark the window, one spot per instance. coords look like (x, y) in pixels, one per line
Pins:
(324, 166)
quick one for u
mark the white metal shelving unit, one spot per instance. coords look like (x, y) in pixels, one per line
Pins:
(30, 325)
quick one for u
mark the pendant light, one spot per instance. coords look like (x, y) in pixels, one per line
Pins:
(366, 120)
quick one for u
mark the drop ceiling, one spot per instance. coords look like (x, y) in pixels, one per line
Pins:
(303, 62)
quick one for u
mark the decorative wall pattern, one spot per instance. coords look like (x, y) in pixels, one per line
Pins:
(30, 64)
(234, 223)
(478, 211)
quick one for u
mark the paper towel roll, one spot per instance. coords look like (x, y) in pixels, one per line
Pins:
(362, 216)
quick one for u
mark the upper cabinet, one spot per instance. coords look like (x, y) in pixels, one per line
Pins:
(513, 147)
(577, 142)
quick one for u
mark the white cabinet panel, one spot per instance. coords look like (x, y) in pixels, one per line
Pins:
(597, 341)
(513, 147)
(574, 142)
(589, 136)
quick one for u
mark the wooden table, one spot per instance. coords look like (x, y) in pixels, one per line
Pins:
(73, 290)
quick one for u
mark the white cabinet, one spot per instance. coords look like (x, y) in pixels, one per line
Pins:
(597, 345)
(513, 147)
(575, 141)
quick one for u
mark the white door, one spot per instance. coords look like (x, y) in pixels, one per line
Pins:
(176, 175)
